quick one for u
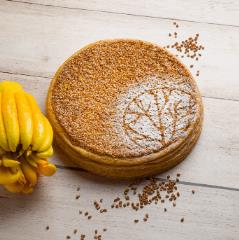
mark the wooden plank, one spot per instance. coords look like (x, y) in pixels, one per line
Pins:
(210, 11)
(211, 213)
(215, 158)
(35, 40)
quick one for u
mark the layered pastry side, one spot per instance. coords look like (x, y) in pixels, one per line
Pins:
(125, 108)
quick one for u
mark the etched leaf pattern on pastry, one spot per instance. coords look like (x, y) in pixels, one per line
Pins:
(158, 116)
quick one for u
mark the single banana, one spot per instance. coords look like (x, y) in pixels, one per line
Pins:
(10, 118)
(14, 187)
(45, 154)
(22, 180)
(6, 177)
(29, 173)
(3, 135)
(27, 189)
(6, 162)
(25, 119)
(32, 162)
(48, 136)
(38, 123)
(41, 162)
(10, 85)
(47, 169)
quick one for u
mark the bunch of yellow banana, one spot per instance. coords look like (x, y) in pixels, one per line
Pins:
(25, 140)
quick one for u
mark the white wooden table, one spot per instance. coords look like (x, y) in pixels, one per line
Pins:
(36, 36)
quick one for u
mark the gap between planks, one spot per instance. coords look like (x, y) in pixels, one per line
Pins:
(28, 75)
(121, 13)
(163, 179)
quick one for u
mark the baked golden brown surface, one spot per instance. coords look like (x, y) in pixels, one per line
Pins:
(120, 104)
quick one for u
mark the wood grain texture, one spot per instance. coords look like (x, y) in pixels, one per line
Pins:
(35, 40)
(210, 11)
(214, 159)
(211, 212)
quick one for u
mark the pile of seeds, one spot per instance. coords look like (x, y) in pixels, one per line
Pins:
(136, 196)
(188, 47)
(154, 191)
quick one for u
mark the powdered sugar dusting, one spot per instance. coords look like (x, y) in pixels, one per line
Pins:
(157, 113)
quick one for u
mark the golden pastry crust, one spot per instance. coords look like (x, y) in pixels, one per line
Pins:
(127, 141)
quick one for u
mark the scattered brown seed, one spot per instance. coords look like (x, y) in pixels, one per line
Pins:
(189, 47)
(75, 231)
(68, 237)
(97, 205)
(105, 229)
(116, 199)
(154, 191)
(193, 191)
(47, 228)
(182, 220)
(78, 189)
(103, 210)
(78, 196)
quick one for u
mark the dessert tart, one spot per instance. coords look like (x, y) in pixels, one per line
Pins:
(125, 108)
